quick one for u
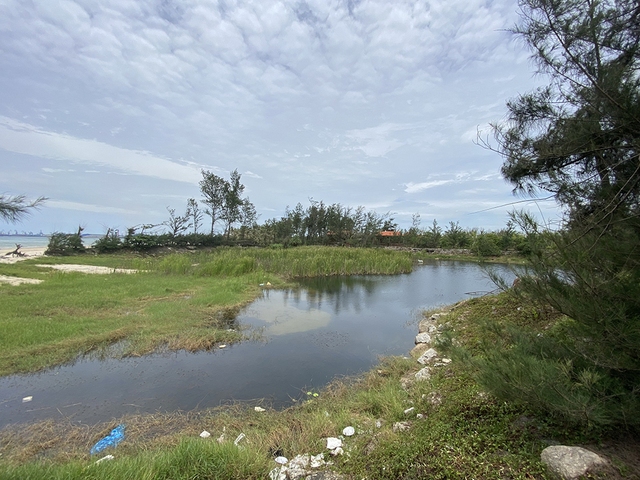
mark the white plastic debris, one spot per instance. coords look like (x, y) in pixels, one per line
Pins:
(409, 410)
(337, 451)
(239, 439)
(222, 346)
(281, 460)
(105, 458)
(27, 399)
(205, 434)
(333, 443)
(348, 431)
(259, 409)
(317, 461)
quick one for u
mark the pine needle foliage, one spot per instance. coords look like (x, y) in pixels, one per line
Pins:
(578, 139)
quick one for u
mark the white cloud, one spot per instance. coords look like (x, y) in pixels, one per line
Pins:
(27, 139)
(419, 187)
(84, 207)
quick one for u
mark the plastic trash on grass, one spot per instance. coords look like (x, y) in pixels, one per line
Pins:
(111, 440)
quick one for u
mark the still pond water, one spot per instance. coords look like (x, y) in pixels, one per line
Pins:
(327, 328)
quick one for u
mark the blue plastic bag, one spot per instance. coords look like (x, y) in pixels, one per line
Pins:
(111, 440)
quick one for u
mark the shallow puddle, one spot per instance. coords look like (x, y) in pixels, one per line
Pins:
(327, 328)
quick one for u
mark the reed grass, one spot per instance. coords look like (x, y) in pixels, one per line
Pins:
(288, 263)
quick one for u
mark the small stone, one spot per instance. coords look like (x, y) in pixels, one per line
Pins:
(401, 426)
(379, 423)
(317, 461)
(281, 460)
(571, 463)
(348, 431)
(278, 473)
(428, 356)
(418, 350)
(423, 338)
(205, 434)
(300, 462)
(434, 398)
(423, 374)
(333, 443)
(424, 325)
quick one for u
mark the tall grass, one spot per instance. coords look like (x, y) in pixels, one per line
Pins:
(289, 263)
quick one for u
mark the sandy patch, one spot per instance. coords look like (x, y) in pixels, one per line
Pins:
(29, 252)
(88, 269)
(17, 280)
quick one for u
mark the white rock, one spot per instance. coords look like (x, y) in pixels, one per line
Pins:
(571, 463)
(205, 434)
(428, 356)
(348, 431)
(401, 426)
(423, 338)
(281, 460)
(333, 443)
(423, 374)
(379, 423)
(317, 461)
(278, 473)
(300, 461)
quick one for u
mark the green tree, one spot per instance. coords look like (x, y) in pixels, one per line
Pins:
(213, 189)
(579, 139)
(13, 209)
(232, 207)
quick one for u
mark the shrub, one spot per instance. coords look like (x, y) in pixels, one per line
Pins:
(111, 242)
(65, 244)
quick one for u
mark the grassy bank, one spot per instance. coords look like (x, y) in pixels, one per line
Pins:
(175, 301)
(462, 433)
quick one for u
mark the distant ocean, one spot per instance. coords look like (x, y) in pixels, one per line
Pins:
(9, 241)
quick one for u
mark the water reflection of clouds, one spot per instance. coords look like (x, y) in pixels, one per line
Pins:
(282, 318)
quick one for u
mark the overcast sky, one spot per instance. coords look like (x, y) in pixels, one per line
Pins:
(112, 107)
